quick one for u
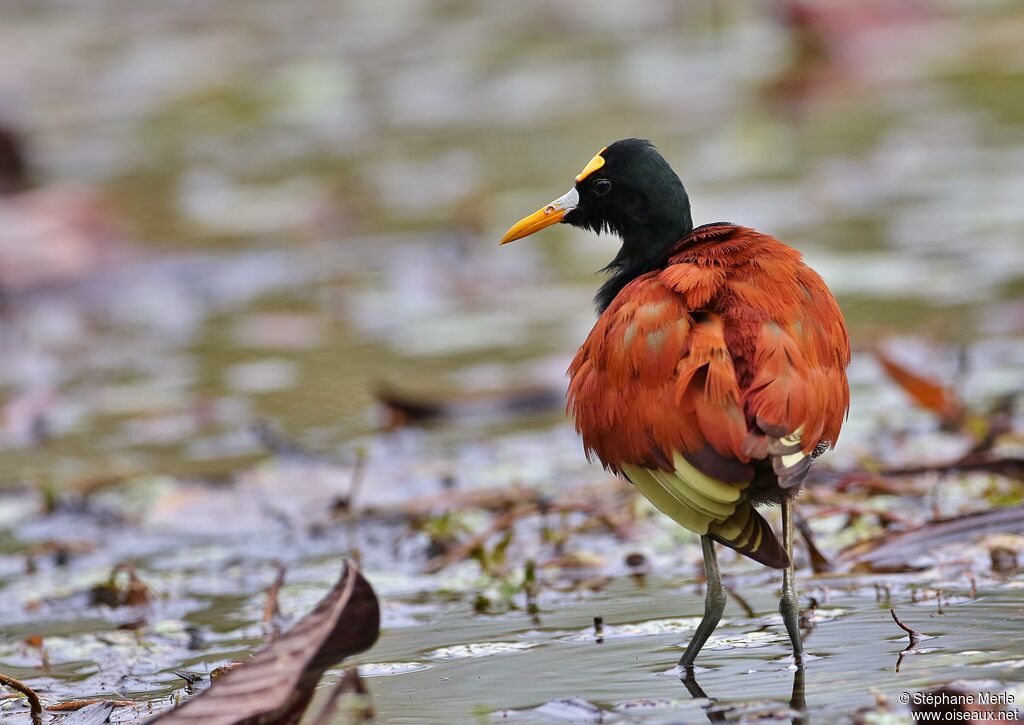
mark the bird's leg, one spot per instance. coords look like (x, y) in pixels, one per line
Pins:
(714, 605)
(789, 605)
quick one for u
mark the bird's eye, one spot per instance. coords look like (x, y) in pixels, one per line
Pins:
(601, 187)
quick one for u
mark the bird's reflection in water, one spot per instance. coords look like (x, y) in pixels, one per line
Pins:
(718, 713)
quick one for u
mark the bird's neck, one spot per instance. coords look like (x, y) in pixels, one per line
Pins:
(643, 250)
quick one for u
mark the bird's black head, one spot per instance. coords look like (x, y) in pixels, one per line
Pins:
(634, 193)
(627, 189)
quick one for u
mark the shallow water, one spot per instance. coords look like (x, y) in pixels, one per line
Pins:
(313, 197)
(746, 669)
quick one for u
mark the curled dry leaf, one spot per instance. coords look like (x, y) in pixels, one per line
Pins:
(88, 712)
(926, 392)
(276, 685)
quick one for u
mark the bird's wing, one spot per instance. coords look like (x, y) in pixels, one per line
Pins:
(798, 394)
(655, 396)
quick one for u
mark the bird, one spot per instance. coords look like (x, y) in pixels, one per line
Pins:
(716, 369)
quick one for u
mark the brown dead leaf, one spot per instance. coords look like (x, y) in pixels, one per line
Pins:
(926, 392)
(276, 685)
(75, 705)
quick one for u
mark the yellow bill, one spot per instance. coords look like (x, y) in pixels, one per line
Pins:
(556, 210)
(544, 217)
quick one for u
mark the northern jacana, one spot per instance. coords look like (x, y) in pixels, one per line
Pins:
(715, 372)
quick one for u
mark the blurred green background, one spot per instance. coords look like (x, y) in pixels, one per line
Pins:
(349, 166)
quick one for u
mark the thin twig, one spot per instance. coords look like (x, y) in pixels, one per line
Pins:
(351, 519)
(743, 603)
(618, 528)
(358, 471)
(466, 549)
(1009, 466)
(271, 606)
(886, 517)
(871, 483)
(35, 706)
(72, 705)
(819, 562)
(531, 588)
(915, 638)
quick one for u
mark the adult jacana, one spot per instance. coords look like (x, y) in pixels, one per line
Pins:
(716, 370)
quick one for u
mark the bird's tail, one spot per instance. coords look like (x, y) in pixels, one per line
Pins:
(749, 534)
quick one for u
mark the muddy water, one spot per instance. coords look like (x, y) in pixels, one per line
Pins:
(312, 198)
